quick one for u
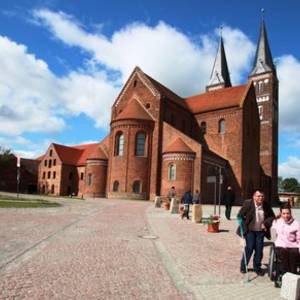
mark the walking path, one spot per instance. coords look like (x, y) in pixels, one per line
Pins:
(116, 249)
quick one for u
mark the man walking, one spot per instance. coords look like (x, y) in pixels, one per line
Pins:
(228, 199)
(187, 199)
(256, 217)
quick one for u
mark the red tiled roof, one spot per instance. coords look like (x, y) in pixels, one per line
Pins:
(40, 158)
(77, 155)
(134, 110)
(167, 92)
(178, 146)
(218, 99)
(98, 153)
(68, 155)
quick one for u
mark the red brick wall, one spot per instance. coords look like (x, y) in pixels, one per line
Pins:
(48, 182)
(170, 134)
(251, 142)
(28, 176)
(128, 168)
(98, 170)
(81, 182)
(137, 88)
(184, 174)
(267, 99)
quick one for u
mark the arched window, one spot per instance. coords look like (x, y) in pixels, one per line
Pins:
(203, 127)
(140, 141)
(136, 187)
(116, 186)
(172, 172)
(119, 149)
(222, 126)
(50, 154)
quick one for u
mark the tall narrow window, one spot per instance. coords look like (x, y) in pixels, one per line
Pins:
(222, 126)
(260, 87)
(49, 175)
(52, 189)
(172, 172)
(45, 163)
(50, 163)
(54, 175)
(81, 176)
(136, 187)
(44, 175)
(54, 162)
(260, 112)
(119, 149)
(140, 141)
(50, 154)
(116, 186)
(90, 178)
(203, 127)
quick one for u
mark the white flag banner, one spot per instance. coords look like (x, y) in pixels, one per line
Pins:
(18, 161)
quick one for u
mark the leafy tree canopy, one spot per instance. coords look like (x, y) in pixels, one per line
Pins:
(6, 156)
(290, 185)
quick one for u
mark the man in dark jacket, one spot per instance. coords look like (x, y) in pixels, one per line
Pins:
(187, 199)
(255, 217)
(228, 200)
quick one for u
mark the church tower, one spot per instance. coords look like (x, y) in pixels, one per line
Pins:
(265, 80)
(220, 75)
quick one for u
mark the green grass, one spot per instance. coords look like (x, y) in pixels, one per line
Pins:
(10, 201)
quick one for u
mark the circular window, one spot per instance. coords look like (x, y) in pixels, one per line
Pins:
(147, 105)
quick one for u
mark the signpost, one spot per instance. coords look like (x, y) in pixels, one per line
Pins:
(18, 174)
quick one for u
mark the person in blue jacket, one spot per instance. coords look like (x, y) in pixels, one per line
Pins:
(187, 199)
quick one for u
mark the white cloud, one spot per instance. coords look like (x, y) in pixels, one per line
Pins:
(161, 51)
(89, 94)
(28, 92)
(288, 68)
(290, 168)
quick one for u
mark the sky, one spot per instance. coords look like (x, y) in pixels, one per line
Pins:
(63, 63)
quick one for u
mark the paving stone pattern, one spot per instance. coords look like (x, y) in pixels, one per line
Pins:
(94, 249)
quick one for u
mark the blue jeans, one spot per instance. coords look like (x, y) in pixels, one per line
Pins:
(254, 242)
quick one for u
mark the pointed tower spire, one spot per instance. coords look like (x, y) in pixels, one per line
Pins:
(263, 61)
(220, 75)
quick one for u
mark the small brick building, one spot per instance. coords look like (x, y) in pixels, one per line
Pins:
(224, 136)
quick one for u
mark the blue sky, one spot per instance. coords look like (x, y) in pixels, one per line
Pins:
(64, 62)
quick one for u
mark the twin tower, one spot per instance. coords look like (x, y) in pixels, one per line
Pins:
(264, 78)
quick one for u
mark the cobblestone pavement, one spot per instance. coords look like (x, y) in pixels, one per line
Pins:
(103, 249)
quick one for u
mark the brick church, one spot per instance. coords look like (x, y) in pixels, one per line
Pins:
(227, 135)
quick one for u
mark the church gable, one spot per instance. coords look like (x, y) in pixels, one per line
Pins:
(140, 88)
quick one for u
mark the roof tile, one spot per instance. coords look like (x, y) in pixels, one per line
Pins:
(178, 146)
(217, 99)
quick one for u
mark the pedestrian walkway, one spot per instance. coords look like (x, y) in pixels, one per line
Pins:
(117, 249)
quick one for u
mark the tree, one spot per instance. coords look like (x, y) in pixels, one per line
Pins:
(6, 156)
(290, 185)
(279, 184)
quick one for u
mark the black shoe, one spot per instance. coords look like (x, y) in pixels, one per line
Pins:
(260, 272)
